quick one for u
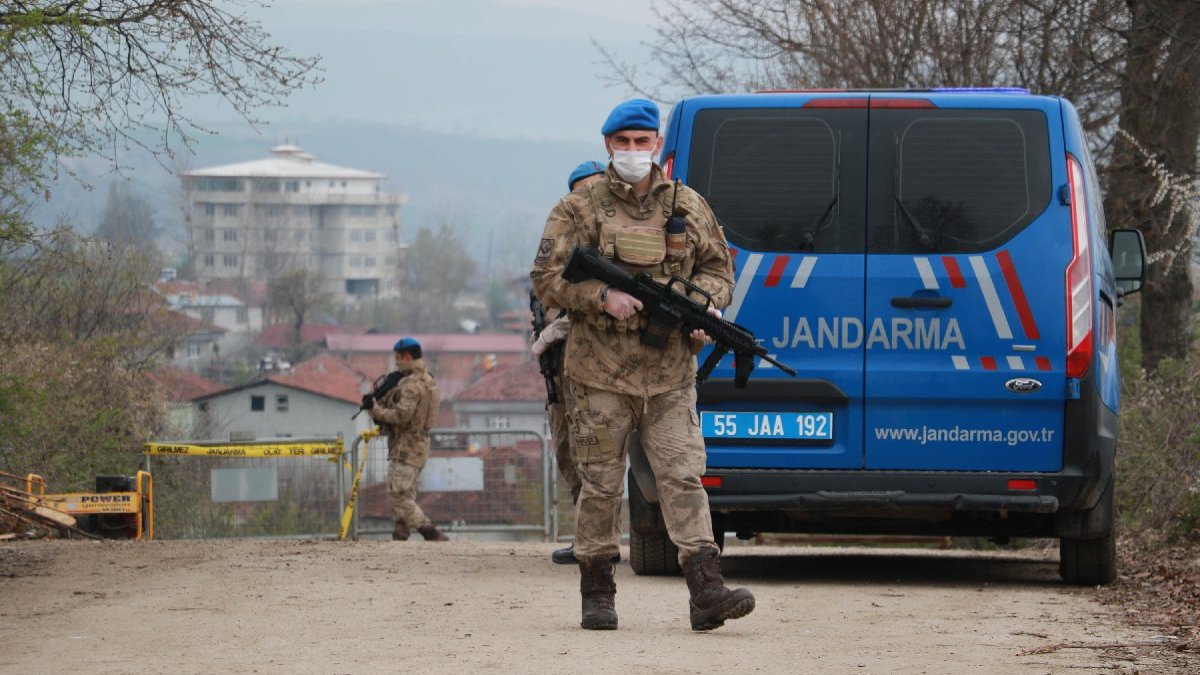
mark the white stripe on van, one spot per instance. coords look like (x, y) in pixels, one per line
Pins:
(742, 285)
(807, 263)
(1015, 363)
(927, 276)
(960, 362)
(1003, 331)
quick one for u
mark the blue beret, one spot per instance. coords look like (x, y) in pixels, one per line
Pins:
(588, 168)
(405, 343)
(636, 113)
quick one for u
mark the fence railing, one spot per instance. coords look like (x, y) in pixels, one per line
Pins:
(264, 487)
(497, 483)
(483, 483)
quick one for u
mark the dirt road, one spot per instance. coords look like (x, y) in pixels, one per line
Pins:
(325, 607)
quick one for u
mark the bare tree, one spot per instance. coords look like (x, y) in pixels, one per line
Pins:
(65, 290)
(1160, 122)
(1127, 64)
(78, 78)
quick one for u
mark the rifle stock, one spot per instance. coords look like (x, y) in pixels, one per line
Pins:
(548, 360)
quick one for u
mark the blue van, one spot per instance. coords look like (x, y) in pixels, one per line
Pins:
(934, 264)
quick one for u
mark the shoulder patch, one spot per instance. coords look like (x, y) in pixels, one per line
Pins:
(543, 254)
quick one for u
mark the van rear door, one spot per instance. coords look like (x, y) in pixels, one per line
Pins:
(785, 175)
(967, 247)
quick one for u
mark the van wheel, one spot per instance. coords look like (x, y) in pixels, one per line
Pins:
(653, 555)
(1088, 562)
(1093, 560)
(651, 551)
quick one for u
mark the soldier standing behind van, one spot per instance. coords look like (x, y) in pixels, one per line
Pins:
(621, 385)
(556, 412)
(406, 414)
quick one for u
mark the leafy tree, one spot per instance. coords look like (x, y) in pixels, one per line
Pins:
(296, 296)
(436, 273)
(1127, 64)
(128, 220)
(80, 329)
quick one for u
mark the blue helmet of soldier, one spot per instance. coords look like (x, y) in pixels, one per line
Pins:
(408, 345)
(634, 114)
(588, 168)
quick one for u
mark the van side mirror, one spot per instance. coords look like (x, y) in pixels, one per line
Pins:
(1128, 250)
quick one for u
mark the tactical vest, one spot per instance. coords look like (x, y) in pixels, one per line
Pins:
(638, 242)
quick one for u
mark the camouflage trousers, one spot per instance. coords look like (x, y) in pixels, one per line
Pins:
(669, 429)
(402, 489)
(556, 414)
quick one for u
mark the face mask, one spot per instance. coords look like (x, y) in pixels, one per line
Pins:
(632, 165)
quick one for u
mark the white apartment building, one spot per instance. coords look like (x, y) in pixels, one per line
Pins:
(259, 219)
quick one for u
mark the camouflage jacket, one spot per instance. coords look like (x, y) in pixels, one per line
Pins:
(407, 413)
(604, 352)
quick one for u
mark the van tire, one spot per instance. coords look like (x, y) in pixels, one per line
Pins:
(1088, 562)
(1091, 561)
(653, 555)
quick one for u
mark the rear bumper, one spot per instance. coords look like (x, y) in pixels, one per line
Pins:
(780, 490)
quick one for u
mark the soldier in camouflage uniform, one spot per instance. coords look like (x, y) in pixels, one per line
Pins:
(621, 385)
(406, 414)
(556, 412)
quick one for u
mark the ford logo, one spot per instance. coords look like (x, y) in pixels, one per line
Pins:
(1022, 385)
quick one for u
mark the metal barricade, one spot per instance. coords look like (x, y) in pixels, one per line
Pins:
(278, 487)
(484, 483)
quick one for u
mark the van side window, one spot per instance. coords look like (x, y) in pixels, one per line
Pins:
(783, 179)
(955, 181)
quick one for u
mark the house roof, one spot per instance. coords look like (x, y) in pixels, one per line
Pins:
(475, 343)
(181, 384)
(520, 382)
(251, 291)
(279, 335)
(287, 161)
(324, 375)
(178, 320)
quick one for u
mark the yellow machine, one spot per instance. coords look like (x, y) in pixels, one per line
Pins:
(130, 513)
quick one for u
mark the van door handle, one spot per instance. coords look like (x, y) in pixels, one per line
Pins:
(914, 302)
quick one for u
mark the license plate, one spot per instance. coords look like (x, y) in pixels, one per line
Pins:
(774, 425)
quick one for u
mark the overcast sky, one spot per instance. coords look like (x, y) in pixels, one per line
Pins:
(498, 68)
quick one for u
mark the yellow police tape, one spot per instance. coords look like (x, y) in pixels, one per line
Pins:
(298, 449)
(366, 437)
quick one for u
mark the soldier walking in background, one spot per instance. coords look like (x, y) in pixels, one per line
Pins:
(556, 412)
(621, 385)
(406, 414)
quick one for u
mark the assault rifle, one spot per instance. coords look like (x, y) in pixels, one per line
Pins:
(667, 309)
(548, 360)
(383, 384)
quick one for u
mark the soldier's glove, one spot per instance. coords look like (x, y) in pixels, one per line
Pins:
(368, 402)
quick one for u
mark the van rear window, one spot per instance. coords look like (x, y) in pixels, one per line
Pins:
(955, 181)
(940, 180)
(777, 178)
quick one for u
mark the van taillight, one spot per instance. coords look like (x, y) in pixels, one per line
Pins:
(711, 481)
(668, 164)
(1080, 341)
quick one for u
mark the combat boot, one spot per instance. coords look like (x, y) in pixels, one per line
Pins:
(711, 603)
(431, 533)
(564, 556)
(400, 533)
(598, 590)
